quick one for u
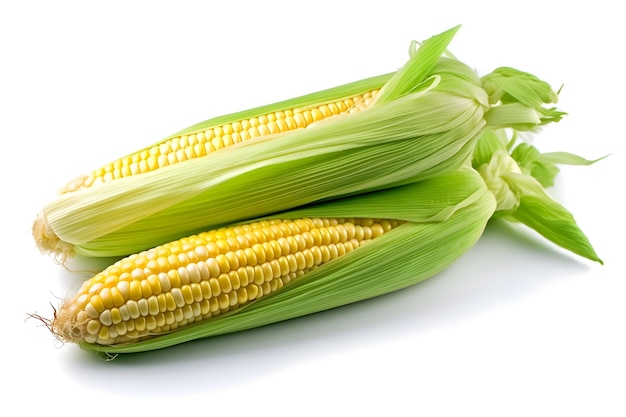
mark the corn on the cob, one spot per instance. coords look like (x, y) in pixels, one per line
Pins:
(197, 282)
(424, 121)
(206, 275)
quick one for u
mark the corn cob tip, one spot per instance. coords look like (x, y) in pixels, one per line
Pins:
(74, 185)
(66, 328)
(48, 242)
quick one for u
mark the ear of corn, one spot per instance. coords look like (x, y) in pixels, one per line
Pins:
(424, 121)
(217, 282)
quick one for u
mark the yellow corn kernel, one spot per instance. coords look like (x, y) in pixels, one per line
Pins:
(141, 296)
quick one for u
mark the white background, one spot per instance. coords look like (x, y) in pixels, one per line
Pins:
(516, 327)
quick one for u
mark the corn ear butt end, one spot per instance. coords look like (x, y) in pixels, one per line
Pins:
(47, 240)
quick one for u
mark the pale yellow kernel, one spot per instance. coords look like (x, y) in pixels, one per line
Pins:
(377, 230)
(93, 326)
(199, 149)
(106, 298)
(316, 115)
(103, 334)
(133, 309)
(250, 255)
(242, 296)
(272, 127)
(233, 277)
(174, 278)
(146, 289)
(215, 287)
(213, 267)
(252, 292)
(317, 237)
(153, 305)
(143, 166)
(332, 248)
(225, 284)
(228, 140)
(224, 301)
(189, 152)
(268, 271)
(206, 289)
(205, 309)
(96, 303)
(180, 155)
(233, 299)
(183, 275)
(178, 296)
(215, 305)
(140, 324)
(196, 291)
(154, 283)
(223, 263)
(276, 268)
(254, 132)
(81, 317)
(244, 135)
(209, 147)
(358, 232)
(130, 327)
(300, 260)
(283, 265)
(116, 316)
(95, 287)
(217, 142)
(259, 277)
(124, 313)
(187, 294)
(300, 120)
(291, 262)
(170, 302)
(164, 282)
(121, 329)
(201, 252)
(169, 318)
(243, 274)
(193, 272)
(105, 318)
(160, 319)
(134, 290)
(196, 312)
(263, 130)
(259, 252)
(291, 123)
(317, 255)
(82, 300)
(226, 129)
(187, 312)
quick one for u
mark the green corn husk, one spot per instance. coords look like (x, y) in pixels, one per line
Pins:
(517, 174)
(425, 122)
